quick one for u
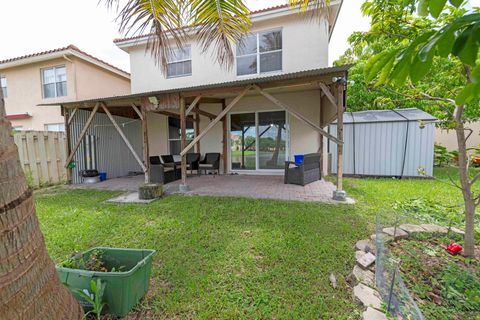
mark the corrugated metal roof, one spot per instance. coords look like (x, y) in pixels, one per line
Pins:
(395, 115)
(245, 82)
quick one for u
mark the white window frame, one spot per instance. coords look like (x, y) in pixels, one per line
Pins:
(45, 126)
(187, 48)
(258, 53)
(5, 89)
(42, 70)
(177, 139)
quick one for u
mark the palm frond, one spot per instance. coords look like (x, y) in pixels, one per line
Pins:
(316, 9)
(160, 19)
(219, 24)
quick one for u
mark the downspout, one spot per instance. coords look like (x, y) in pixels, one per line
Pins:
(74, 69)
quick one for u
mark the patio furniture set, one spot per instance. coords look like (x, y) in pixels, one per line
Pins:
(164, 169)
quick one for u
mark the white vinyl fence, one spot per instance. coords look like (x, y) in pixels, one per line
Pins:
(42, 156)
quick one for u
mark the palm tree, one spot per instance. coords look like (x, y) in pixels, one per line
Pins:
(29, 286)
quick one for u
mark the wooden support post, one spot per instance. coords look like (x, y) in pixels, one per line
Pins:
(320, 136)
(327, 93)
(139, 113)
(193, 105)
(297, 115)
(146, 149)
(225, 140)
(82, 134)
(135, 155)
(183, 143)
(339, 194)
(215, 121)
(197, 128)
(67, 118)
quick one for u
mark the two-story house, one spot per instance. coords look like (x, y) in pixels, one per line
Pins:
(274, 103)
(58, 75)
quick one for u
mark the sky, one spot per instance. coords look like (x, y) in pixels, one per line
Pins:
(31, 26)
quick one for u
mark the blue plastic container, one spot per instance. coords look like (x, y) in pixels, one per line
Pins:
(103, 176)
(298, 159)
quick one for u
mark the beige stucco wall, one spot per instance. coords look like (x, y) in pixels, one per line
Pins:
(84, 80)
(305, 46)
(303, 139)
(448, 138)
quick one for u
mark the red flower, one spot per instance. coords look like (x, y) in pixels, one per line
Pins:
(454, 248)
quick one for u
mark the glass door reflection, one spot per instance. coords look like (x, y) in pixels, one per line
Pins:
(243, 139)
(272, 140)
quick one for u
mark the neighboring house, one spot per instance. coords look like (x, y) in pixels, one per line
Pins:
(448, 138)
(53, 76)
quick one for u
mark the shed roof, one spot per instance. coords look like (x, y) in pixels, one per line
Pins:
(393, 115)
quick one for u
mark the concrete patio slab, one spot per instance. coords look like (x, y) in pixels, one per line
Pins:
(249, 186)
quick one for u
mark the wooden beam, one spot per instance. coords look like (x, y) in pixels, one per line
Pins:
(339, 98)
(135, 155)
(183, 139)
(320, 143)
(193, 105)
(216, 120)
(207, 114)
(66, 118)
(146, 147)
(297, 115)
(140, 114)
(225, 140)
(327, 93)
(173, 115)
(196, 125)
(70, 118)
(82, 134)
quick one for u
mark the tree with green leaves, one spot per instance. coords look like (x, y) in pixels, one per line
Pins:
(420, 54)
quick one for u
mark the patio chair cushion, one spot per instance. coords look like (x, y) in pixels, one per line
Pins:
(206, 165)
(167, 158)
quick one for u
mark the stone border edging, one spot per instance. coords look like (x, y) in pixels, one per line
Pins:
(363, 274)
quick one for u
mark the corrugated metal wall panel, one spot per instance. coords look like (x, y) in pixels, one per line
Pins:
(380, 148)
(113, 156)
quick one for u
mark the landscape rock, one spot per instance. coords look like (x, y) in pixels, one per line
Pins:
(433, 228)
(365, 246)
(396, 233)
(457, 231)
(411, 228)
(364, 259)
(367, 296)
(372, 314)
(364, 276)
(383, 236)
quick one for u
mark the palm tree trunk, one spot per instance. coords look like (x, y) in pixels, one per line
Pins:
(469, 248)
(29, 285)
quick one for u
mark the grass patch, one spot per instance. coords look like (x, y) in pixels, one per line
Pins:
(234, 258)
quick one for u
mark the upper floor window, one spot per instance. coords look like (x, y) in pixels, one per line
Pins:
(3, 85)
(260, 53)
(179, 62)
(54, 82)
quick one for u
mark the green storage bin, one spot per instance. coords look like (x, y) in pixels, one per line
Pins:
(124, 289)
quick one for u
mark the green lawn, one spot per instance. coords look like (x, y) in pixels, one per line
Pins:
(234, 258)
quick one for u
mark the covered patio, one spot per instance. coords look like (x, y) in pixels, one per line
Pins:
(248, 186)
(310, 100)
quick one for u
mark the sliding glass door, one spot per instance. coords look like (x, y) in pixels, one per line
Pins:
(258, 140)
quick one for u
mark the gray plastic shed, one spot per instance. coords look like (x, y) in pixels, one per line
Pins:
(388, 143)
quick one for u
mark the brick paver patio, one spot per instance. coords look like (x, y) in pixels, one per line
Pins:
(251, 186)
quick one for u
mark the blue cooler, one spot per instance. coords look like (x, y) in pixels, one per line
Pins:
(103, 176)
(298, 159)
